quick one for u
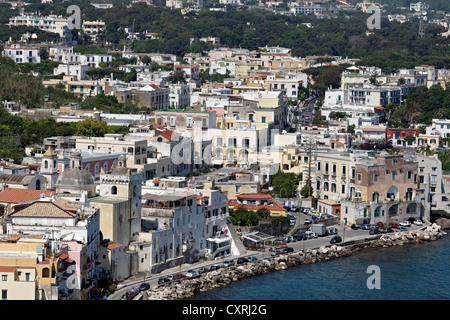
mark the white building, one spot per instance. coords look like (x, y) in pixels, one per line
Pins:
(78, 70)
(179, 95)
(22, 54)
(52, 23)
(94, 60)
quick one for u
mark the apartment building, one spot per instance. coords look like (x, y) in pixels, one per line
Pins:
(179, 95)
(135, 150)
(22, 54)
(93, 28)
(193, 124)
(182, 225)
(27, 268)
(81, 88)
(94, 60)
(51, 23)
(238, 145)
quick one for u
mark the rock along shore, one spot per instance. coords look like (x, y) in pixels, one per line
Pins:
(188, 287)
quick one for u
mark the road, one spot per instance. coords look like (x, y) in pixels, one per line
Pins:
(345, 232)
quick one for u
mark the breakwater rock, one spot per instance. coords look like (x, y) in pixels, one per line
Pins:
(188, 287)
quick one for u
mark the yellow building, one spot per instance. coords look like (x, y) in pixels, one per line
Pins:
(80, 88)
(28, 270)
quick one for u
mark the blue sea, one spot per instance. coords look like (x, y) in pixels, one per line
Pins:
(410, 272)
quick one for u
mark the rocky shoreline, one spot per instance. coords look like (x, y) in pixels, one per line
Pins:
(188, 287)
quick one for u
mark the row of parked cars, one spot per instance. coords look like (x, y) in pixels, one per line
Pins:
(198, 272)
(380, 227)
(130, 294)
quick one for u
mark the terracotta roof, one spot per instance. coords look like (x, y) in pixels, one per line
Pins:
(7, 269)
(113, 245)
(254, 196)
(273, 206)
(41, 209)
(16, 195)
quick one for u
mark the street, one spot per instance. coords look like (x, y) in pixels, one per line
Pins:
(347, 234)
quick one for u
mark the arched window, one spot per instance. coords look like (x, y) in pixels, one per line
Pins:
(38, 184)
(333, 187)
(113, 190)
(325, 186)
(375, 197)
(376, 213)
(46, 273)
(46, 164)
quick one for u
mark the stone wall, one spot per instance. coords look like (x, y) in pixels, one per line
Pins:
(213, 279)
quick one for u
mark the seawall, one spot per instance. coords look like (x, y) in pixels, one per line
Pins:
(190, 286)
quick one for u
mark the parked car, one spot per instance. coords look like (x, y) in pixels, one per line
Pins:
(252, 258)
(365, 227)
(287, 249)
(336, 239)
(172, 277)
(291, 239)
(202, 270)
(181, 275)
(276, 252)
(301, 237)
(144, 286)
(375, 231)
(125, 297)
(308, 220)
(354, 227)
(191, 273)
(242, 260)
(163, 280)
(228, 263)
(214, 267)
(418, 222)
(333, 230)
(389, 230)
(405, 224)
(402, 228)
(394, 225)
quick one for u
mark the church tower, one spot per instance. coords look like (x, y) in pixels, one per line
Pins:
(120, 199)
(49, 168)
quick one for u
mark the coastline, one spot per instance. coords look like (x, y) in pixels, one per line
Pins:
(187, 288)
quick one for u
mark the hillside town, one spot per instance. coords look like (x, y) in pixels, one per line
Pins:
(82, 212)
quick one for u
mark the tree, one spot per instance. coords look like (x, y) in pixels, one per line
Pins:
(263, 213)
(91, 127)
(177, 77)
(306, 191)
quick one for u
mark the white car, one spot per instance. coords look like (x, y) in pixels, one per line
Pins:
(405, 224)
(418, 223)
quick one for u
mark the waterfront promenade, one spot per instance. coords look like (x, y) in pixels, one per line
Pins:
(348, 235)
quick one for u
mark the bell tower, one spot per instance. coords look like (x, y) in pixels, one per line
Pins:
(121, 187)
(49, 168)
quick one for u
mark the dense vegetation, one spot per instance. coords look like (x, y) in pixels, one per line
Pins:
(394, 46)
(422, 105)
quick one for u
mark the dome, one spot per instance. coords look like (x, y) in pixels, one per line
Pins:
(75, 179)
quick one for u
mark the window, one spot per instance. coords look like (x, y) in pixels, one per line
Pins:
(318, 166)
(4, 277)
(375, 177)
(4, 294)
(263, 119)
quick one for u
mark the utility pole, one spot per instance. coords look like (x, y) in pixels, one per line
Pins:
(310, 148)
